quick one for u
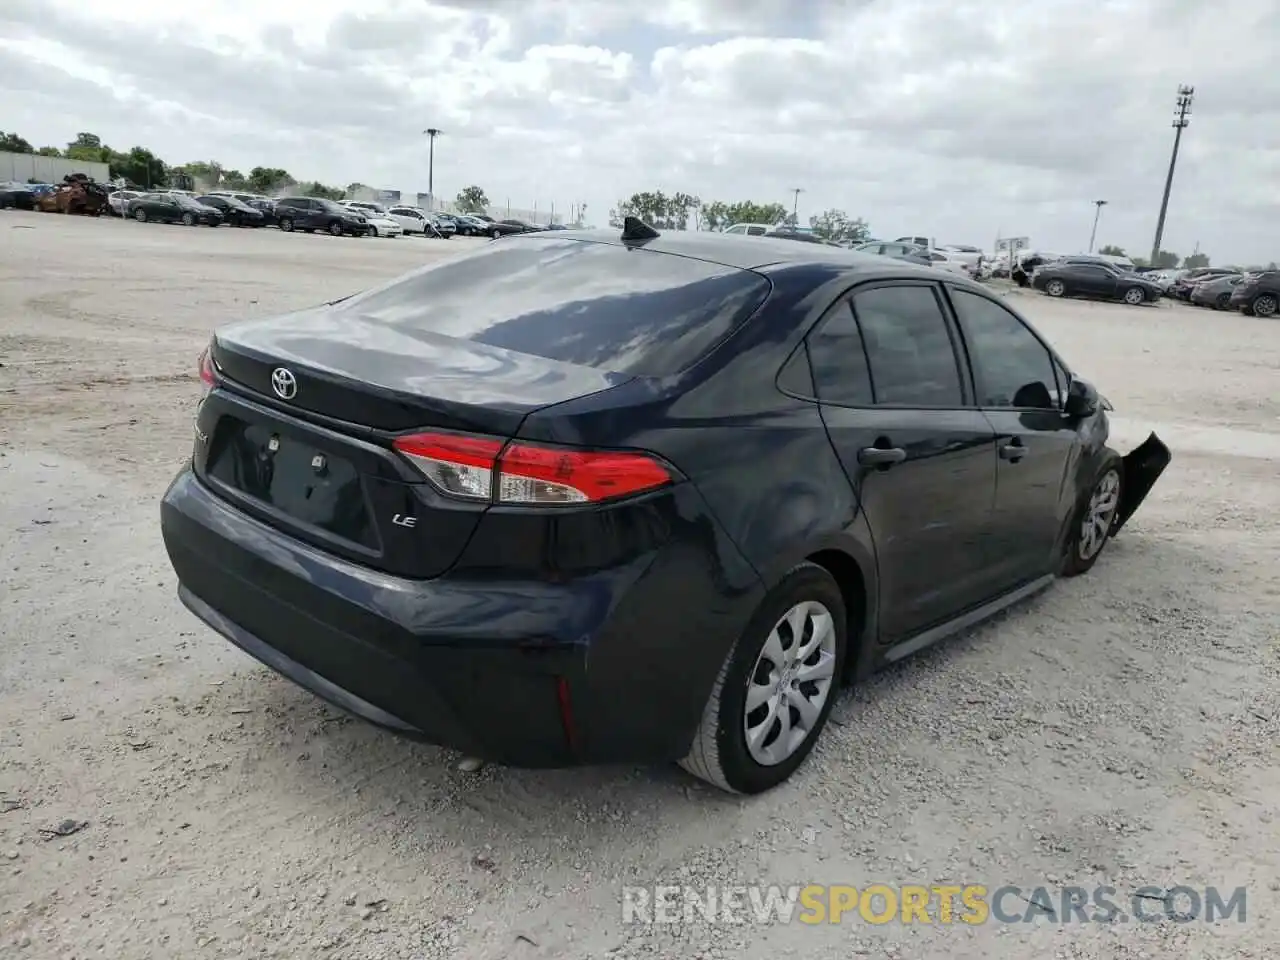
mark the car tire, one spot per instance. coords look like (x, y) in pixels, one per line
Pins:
(286, 225)
(188, 220)
(1265, 305)
(1094, 519)
(140, 216)
(1223, 302)
(335, 229)
(1055, 288)
(720, 753)
(497, 234)
(1135, 296)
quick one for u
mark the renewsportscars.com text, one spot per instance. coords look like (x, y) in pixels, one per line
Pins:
(940, 904)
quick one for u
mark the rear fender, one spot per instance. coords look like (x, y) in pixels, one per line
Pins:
(1142, 468)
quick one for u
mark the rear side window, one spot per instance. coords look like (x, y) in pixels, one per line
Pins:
(913, 362)
(840, 371)
(596, 305)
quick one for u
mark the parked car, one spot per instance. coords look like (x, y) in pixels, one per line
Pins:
(489, 521)
(799, 235)
(1183, 286)
(233, 211)
(751, 229)
(1216, 292)
(1258, 294)
(470, 225)
(17, 195)
(173, 207)
(382, 225)
(952, 263)
(897, 251)
(364, 208)
(310, 214)
(411, 219)
(1060, 278)
(505, 228)
(118, 201)
(444, 225)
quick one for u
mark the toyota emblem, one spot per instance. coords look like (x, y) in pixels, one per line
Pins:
(284, 383)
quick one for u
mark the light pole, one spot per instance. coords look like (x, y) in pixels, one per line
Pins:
(795, 205)
(1096, 214)
(1180, 120)
(432, 132)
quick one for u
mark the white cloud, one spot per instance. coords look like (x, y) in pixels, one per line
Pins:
(957, 120)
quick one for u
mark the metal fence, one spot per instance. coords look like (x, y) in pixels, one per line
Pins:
(28, 166)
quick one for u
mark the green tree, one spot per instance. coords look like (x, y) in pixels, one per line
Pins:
(49, 152)
(270, 180)
(472, 199)
(836, 225)
(234, 180)
(714, 215)
(317, 189)
(207, 175)
(12, 143)
(88, 146)
(1195, 261)
(141, 167)
(1165, 260)
(1111, 250)
(748, 211)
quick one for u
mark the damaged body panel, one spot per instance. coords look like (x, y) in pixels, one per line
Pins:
(1142, 468)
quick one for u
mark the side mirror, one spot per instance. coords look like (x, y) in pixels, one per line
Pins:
(1082, 400)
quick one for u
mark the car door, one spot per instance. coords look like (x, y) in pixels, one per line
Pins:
(896, 403)
(1016, 381)
(1096, 280)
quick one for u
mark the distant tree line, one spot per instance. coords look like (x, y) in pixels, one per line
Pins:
(683, 211)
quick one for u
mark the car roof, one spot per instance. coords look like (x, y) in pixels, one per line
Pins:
(758, 253)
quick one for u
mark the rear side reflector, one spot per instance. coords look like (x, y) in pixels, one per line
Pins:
(482, 468)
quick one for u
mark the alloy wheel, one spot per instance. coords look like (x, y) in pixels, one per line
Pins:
(1265, 305)
(1055, 288)
(790, 683)
(1133, 296)
(1100, 514)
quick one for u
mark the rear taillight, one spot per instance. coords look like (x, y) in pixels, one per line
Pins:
(482, 468)
(206, 369)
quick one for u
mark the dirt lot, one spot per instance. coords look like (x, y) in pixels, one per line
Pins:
(1119, 730)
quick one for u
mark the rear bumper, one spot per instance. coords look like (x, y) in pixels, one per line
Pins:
(609, 667)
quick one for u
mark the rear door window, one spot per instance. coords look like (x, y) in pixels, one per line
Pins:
(597, 305)
(909, 347)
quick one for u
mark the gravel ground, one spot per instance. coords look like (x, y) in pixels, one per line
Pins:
(1120, 729)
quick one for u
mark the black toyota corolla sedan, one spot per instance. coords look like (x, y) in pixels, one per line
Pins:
(644, 498)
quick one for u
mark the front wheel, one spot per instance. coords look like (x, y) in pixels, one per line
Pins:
(188, 220)
(497, 234)
(776, 688)
(1265, 305)
(140, 216)
(335, 229)
(1223, 302)
(1135, 296)
(1094, 519)
(1055, 288)
(286, 225)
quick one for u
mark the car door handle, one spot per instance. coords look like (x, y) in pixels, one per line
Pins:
(1013, 451)
(881, 456)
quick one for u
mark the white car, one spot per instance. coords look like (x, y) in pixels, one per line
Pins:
(381, 225)
(119, 201)
(749, 229)
(411, 219)
(365, 208)
(951, 263)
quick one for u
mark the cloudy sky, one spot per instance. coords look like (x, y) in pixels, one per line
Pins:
(959, 119)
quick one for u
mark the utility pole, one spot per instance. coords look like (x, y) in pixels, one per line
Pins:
(1096, 214)
(432, 132)
(1181, 116)
(795, 205)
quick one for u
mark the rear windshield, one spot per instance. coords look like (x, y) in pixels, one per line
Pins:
(597, 305)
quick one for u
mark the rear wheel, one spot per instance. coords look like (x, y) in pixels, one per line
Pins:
(776, 688)
(1223, 302)
(1094, 519)
(1135, 296)
(140, 215)
(1265, 305)
(1055, 288)
(286, 225)
(335, 229)
(188, 220)
(497, 234)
